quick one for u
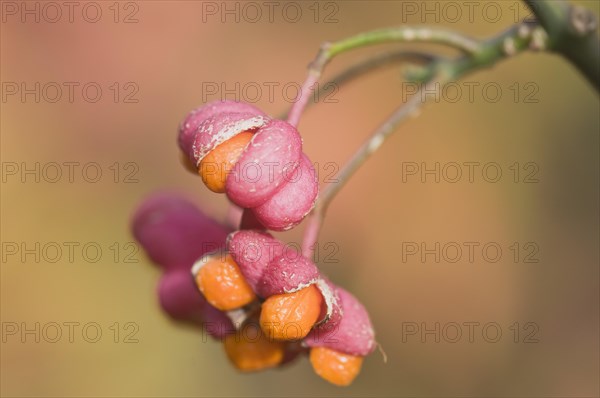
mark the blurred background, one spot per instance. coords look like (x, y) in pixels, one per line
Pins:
(91, 99)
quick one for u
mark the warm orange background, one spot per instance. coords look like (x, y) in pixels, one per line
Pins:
(169, 53)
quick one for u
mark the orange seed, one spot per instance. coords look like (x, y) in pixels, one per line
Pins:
(290, 316)
(222, 283)
(250, 350)
(215, 166)
(334, 366)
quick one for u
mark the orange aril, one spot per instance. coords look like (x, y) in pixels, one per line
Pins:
(215, 166)
(290, 316)
(334, 366)
(223, 285)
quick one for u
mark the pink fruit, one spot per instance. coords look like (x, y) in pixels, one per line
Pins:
(272, 155)
(182, 301)
(288, 207)
(174, 232)
(271, 268)
(287, 273)
(219, 128)
(353, 334)
(187, 129)
(253, 251)
(271, 176)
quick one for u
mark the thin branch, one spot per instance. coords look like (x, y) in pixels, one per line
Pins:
(572, 32)
(397, 34)
(516, 39)
(548, 13)
(420, 34)
(368, 65)
(364, 152)
(527, 35)
(575, 40)
(375, 141)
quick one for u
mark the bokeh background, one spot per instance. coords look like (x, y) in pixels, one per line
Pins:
(168, 53)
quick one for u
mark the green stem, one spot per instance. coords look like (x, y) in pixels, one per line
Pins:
(397, 34)
(405, 34)
(435, 74)
(572, 32)
(566, 29)
(414, 58)
(513, 41)
(369, 147)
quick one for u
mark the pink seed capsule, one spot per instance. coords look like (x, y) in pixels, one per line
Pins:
(187, 129)
(271, 176)
(271, 268)
(215, 130)
(180, 298)
(174, 232)
(272, 155)
(252, 251)
(217, 323)
(287, 273)
(353, 334)
(297, 299)
(268, 265)
(182, 301)
(331, 307)
(288, 207)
